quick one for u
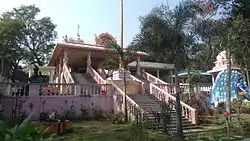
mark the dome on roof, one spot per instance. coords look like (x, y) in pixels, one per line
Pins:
(104, 38)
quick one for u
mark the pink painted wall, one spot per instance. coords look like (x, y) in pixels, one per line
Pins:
(58, 103)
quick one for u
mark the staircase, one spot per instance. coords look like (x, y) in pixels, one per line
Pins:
(151, 105)
(82, 78)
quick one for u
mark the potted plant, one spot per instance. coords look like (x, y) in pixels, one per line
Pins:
(53, 125)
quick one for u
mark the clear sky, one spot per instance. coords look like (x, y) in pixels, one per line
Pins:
(93, 16)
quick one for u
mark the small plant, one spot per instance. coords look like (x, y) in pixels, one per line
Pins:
(108, 115)
(136, 132)
(43, 116)
(70, 113)
(85, 113)
(118, 118)
(26, 131)
(166, 115)
(98, 114)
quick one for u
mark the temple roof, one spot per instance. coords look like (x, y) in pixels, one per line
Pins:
(153, 65)
(84, 48)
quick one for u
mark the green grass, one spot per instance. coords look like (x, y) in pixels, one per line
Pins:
(237, 133)
(105, 131)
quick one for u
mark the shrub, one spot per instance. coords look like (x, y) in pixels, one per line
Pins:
(98, 114)
(136, 132)
(85, 115)
(198, 101)
(26, 131)
(118, 118)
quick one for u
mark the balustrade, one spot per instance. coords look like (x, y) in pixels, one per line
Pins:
(67, 75)
(142, 89)
(96, 76)
(53, 89)
(133, 108)
(151, 78)
(162, 95)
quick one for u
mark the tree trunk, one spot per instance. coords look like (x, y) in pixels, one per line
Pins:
(177, 102)
(243, 73)
(228, 91)
(248, 79)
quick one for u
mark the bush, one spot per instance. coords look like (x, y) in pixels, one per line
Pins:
(198, 101)
(85, 115)
(26, 131)
(98, 114)
(136, 132)
(118, 118)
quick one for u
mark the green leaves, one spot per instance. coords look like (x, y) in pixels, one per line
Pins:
(112, 62)
(35, 37)
(26, 131)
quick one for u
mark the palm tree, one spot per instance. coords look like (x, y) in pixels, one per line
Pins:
(164, 33)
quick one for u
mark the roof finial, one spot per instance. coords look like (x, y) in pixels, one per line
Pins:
(78, 32)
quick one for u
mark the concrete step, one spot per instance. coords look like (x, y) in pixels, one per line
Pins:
(149, 103)
(172, 128)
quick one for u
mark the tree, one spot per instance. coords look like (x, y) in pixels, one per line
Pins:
(38, 34)
(163, 32)
(10, 45)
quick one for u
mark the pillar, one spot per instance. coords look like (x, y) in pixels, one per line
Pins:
(158, 73)
(61, 73)
(88, 61)
(65, 57)
(171, 74)
(30, 72)
(138, 67)
(213, 78)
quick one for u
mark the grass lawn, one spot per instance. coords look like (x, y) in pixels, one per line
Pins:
(237, 133)
(105, 131)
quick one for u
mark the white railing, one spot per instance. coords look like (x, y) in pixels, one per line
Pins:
(188, 111)
(53, 89)
(151, 78)
(67, 75)
(96, 76)
(119, 94)
(170, 88)
(138, 80)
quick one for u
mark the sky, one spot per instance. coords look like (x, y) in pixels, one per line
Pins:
(93, 16)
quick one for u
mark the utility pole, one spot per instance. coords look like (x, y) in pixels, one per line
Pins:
(120, 60)
(124, 71)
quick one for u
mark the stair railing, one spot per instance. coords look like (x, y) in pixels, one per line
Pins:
(67, 75)
(118, 96)
(187, 111)
(169, 88)
(131, 105)
(138, 80)
(96, 76)
(152, 78)
(69, 79)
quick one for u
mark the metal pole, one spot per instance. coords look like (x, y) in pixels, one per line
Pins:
(120, 66)
(120, 60)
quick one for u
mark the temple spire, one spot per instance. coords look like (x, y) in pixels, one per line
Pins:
(78, 32)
